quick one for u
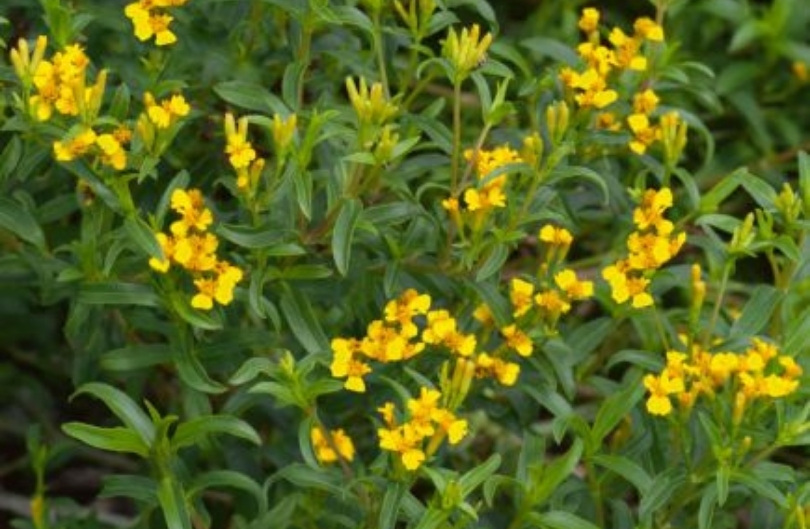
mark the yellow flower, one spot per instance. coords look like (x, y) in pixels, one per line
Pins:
(648, 29)
(644, 133)
(328, 452)
(113, 154)
(518, 340)
(552, 302)
(520, 294)
(589, 21)
(645, 102)
(167, 245)
(466, 51)
(574, 288)
(555, 236)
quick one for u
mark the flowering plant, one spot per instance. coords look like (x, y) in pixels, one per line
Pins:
(392, 264)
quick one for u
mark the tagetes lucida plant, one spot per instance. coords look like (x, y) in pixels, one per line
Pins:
(440, 270)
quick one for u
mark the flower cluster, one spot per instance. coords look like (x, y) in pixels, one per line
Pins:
(150, 19)
(556, 294)
(60, 82)
(591, 86)
(241, 154)
(331, 446)
(479, 201)
(757, 373)
(108, 146)
(191, 246)
(651, 246)
(427, 419)
(390, 339)
(466, 51)
(156, 126)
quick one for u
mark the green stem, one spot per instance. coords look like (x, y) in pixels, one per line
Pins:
(304, 57)
(659, 324)
(717, 305)
(379, 49)
(596, 493)
(454, 168)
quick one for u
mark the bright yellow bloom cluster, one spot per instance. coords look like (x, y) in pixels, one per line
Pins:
(391, 339)
(150, 19)
(490, 194)
(591, 85)
(164, 114)
(427, 419)
(193, 247)
(108, 146)
(338, 445)
(553, 300)
(759, 372)
(60, 83)
(651, 246)
(371, 105)
(241, 154)
(156, 124)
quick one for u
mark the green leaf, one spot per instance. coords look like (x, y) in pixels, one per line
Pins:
(614, 408)
(173, 503)
(310, 478)
(193, 373)
(390, 506)
(117, 439)
(578, 172)
(10, 157)
(196, 318)
(556, 472)
(757, 311)
(762, 488)
(493, 263)
(762, 193)
(343, 234)
(722, 479)
(250, 237)
(139, 488)
(251, 96)
(133, 357)
(655, 497)
(707, 504)
(433, 518)
(472, 479)
(20, 222)
(123, 407)
(710, 201)
(282, 393)
(252, 368)
(559, 520)
(143, 236)
(303, 324)
(193, 431)
(117, 294)
(230, 479)
(626, 469)
(552, 48)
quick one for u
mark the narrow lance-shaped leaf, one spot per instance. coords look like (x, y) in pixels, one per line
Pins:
(123, 407)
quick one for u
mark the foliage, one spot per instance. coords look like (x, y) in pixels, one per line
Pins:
(421, 263)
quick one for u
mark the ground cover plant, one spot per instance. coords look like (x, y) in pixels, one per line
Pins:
(404, 264)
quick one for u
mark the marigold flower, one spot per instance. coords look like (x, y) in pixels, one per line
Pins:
(518, 340)
(520, 294)
(340, 447)
(589, 21)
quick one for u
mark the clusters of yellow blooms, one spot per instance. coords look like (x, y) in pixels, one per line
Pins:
(651, 246)
(61, 86)
(555, 296)
(396, 337)
(479, 201)
(427, 419)
(191, 246)
(108, 146)
(150, 19)
(332, 446)
(241, 154)
(759, 372)
(61, 83)
(591, 86)
(407, 327)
